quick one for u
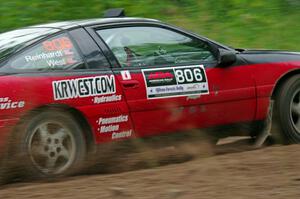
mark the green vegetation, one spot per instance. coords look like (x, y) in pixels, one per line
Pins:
(270, 24)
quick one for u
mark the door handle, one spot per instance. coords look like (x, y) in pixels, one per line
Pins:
(130, 84)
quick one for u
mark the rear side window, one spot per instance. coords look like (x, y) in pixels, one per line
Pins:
(56, 53)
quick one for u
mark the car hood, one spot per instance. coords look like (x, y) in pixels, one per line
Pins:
(268, 56)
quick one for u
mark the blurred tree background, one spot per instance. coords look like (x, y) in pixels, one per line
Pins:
(272, 24)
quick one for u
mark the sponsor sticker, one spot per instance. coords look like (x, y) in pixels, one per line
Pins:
(6, 103)
(122, 134)
(126, 75)
(112, 125)
(106, 99)
(109, 128)
(175, 81)
(113, 120)
(84, 87)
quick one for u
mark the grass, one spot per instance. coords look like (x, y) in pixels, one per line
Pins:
(269, 24)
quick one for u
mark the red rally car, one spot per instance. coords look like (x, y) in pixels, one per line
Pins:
(70, 85)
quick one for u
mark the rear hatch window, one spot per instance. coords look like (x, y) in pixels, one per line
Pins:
(13, 41)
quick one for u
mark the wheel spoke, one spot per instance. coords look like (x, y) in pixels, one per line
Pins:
(298, 123)
(50, 164)
(295, 108)
(38, 150)
(64, 153)
(60, 134)
(44, 133)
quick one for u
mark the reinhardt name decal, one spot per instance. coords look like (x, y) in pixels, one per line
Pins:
(175, 81)
(84, 87)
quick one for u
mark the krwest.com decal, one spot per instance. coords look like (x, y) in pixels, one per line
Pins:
(84, 87)
(175, 81)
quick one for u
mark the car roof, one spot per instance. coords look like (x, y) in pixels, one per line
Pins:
(90, 22)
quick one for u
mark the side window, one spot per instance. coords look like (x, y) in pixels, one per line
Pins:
(154, 46)
(55, 53)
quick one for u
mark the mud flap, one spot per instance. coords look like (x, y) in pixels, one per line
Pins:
(4, 172)
(266, 132)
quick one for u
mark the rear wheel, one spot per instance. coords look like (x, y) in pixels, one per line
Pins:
(288, 110)
(51, 144)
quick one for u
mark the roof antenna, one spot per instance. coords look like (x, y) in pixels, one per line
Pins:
(115, 12)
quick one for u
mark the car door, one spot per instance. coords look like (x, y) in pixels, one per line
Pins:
(171, 81)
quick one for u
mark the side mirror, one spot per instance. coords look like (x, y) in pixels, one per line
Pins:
(226, 57)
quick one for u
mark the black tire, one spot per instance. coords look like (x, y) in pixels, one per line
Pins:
(285, 117)
(50, 138)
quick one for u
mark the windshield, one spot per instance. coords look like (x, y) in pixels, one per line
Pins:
(13, 41)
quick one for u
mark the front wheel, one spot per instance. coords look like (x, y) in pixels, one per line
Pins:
(51, 144)
(288, 110)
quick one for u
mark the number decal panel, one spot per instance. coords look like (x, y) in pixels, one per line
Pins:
(175, 81)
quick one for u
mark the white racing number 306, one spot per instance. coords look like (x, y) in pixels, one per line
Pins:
(188, 75)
